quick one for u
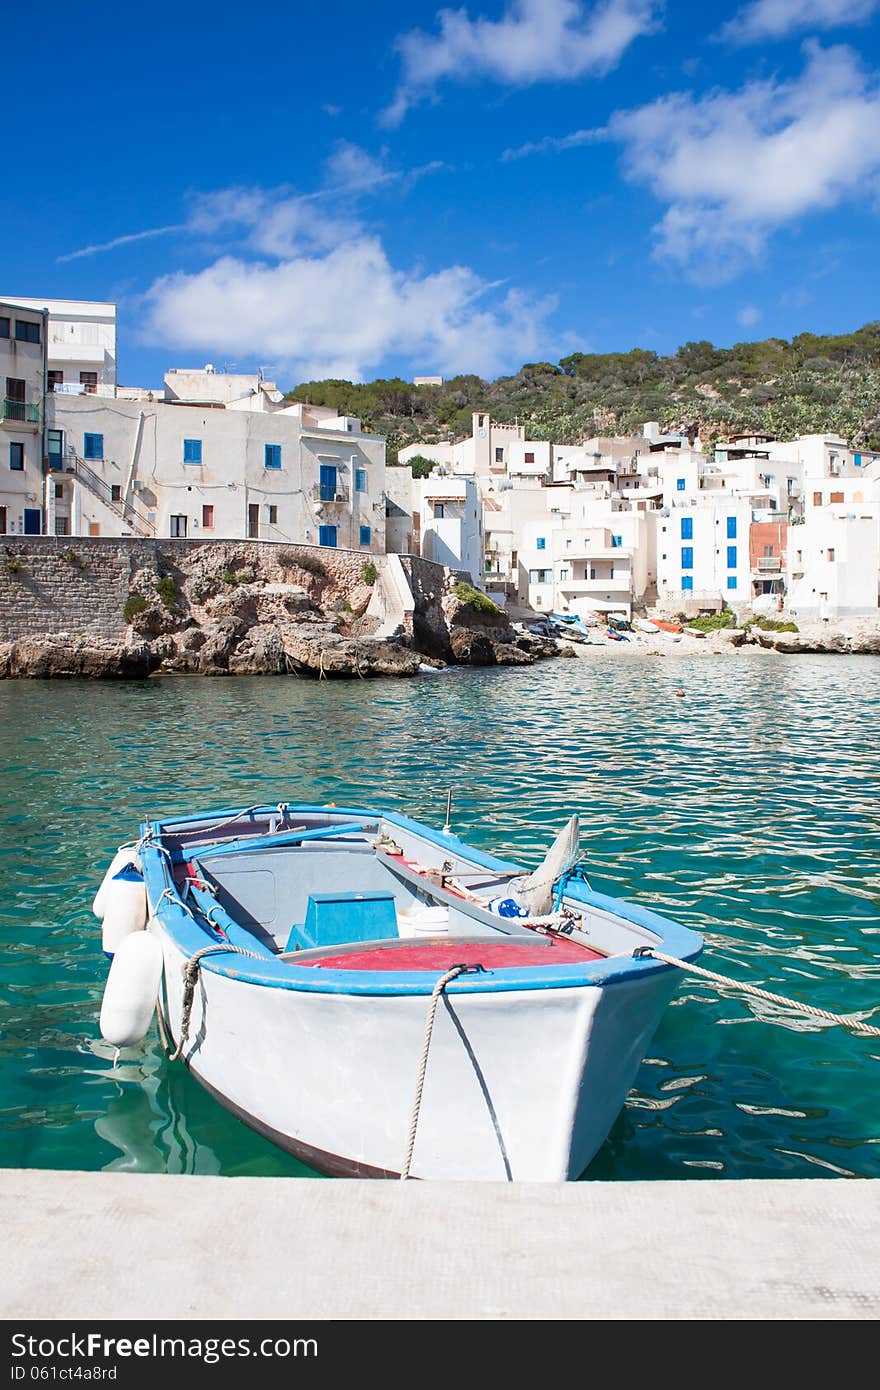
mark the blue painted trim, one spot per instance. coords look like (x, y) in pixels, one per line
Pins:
(281, 837)
(189, 936)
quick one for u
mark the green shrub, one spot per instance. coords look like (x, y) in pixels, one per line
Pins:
(230, 578)
(771, 624)
(73, 558)
(466, 593)
(368, 572)
(14, 566)
(712, 622)
(134, 604)
(312, 564)
(167, 591)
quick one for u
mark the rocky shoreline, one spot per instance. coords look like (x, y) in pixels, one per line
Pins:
(217, 614)
(853, 637)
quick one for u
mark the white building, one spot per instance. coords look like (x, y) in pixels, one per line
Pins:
(489, 449)
(23, 378)
(452, 524)
(209, 463)
(81, 344)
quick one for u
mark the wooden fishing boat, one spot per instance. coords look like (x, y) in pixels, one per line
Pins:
(379, 998)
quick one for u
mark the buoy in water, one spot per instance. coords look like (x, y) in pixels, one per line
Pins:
(126, 855)
(680, 694)
(130, 992)
(125, 907)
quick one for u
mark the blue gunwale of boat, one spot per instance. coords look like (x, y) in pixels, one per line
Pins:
(273, 973)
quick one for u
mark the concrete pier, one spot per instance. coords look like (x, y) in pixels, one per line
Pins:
(96, 1245)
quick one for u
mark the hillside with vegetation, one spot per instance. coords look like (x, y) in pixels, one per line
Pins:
(810, 384)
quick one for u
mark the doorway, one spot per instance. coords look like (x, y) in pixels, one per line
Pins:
(253, 521)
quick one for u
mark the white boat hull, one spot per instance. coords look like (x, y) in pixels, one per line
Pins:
(521, 1085)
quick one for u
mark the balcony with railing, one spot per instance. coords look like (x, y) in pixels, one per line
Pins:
(20, 412)
(767, 563)
(328, 495)
(81, 388)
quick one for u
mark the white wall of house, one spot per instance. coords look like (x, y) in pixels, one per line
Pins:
(81, 342)
(242, 474)
(22, 382)
(833, 565)
(451, 524)
(703, 551)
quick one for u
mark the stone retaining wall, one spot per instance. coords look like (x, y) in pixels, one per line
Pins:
(79, 585)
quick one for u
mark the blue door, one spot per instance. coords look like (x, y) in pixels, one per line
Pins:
(326, 535)
(328, 482)
(32, 518)
(55, 448)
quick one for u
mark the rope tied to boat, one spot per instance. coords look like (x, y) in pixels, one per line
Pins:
(438, 989)
(866, 1030)
(190, 972)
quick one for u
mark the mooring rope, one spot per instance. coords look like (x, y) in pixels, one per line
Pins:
(190, 973)
(423, 1062)
(865, 1029)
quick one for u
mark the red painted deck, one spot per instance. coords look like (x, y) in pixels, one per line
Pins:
(442, 955)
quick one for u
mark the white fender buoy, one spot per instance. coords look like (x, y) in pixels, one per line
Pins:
(125, 907)
(131, 989)
(126, 855)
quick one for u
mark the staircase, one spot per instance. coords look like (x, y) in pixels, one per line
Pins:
(130, 512)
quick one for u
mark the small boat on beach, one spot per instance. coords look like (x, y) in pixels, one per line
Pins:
(381, 999)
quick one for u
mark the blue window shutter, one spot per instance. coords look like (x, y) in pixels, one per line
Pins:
(687, 581)
(731, 528)
(616, 542)
(360, 480)
(366, 535)
(731, 581)
(731, 557)
(327, 477)
(687, 528)
(93, 446)
(541, 543)
(192, 451)
(679, 484)
(273, 456)
(327, 535)
(687, 557)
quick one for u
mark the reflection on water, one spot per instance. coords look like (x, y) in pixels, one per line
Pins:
(749, 811)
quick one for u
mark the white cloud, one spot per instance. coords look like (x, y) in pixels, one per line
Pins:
(748, 315)
(342, 313)
(535, 40)
(735, 166)
(553, 144)
(775, 19)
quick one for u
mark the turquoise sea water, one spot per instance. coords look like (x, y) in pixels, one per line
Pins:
(749, 809)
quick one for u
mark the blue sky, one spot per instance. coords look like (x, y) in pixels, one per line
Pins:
(335, 190)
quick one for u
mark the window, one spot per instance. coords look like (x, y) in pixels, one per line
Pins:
(93, 446)
(731, 581)
(15, 388)
(327, 534)
(360, 480)
(564, 573)
(192, 451)
(327, 483)
(679, 484)
(89, 382)
(207, 518)
(830, 553)
(731, 528)
(857, 460)
(835, 497)
(177, 528)
(481, 420)
(817, 499)
(687, 528)
(115, 492)
(731, 557)
(768, 552)
(272, 457)
(438, 511)
(687, 557)
(53, 379)
(540, 576)
(365, 535)
(62, 526)
(529, 458)
(26, 332)
(616, 542)
(541, 543)
(59, 492)
(273, 514)
(4, 333)
(687, 582)
(16, 457)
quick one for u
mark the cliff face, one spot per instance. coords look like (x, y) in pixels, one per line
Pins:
(129, 608)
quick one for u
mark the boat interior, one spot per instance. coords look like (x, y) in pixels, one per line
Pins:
(357, 890)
